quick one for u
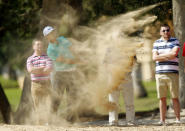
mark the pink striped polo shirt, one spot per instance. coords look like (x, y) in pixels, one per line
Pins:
(39, 61)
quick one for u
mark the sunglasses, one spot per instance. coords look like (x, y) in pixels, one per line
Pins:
(166, 30)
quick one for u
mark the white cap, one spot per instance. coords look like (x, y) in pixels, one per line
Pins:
(47, 30)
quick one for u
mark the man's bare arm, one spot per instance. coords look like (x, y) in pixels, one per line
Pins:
(47, 70)
(167, 56)
(36, 70)
(64, 60)
(157, 57)
(172, 54)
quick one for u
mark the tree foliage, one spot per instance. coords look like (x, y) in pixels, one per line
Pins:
(20, 20)
(93, 9)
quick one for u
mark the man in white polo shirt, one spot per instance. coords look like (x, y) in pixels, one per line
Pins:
(165, 53)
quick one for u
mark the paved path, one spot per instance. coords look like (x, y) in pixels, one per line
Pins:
(147, 121)
(145, 124)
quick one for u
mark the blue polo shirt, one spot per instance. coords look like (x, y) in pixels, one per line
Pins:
(61, 49)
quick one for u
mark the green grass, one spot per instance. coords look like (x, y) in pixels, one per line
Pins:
(141, 104)
(151, 101)
(145, 104)
(12, 91)
(13, 95)
(7, 83)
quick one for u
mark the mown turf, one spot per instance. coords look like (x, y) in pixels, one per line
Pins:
(141, 104)
(147, 103)
(13, 95)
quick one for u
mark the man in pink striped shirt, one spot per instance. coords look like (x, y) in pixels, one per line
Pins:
(39, 65)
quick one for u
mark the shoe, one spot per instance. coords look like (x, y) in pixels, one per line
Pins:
(162, 123)
(131, 123)
(177, 122)
(113, 123)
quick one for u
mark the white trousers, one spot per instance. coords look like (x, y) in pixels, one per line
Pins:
(128, 94)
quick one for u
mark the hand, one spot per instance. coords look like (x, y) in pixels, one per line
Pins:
(37, 70)
(60, 59)
(70, 61)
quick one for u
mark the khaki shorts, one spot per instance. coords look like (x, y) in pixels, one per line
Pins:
(165, 81)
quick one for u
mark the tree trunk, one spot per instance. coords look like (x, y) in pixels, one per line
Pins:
(139, 90)
(5, 106)
(179, 28)
(25, 107)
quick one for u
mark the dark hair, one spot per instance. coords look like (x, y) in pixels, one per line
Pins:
(165, 25)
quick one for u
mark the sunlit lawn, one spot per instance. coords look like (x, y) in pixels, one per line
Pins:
(145, 104)
(141, 104)
(13, 95)
(151, 101)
